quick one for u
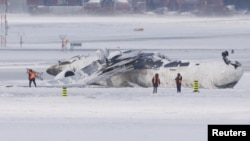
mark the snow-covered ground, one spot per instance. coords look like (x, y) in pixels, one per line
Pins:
(111, 114)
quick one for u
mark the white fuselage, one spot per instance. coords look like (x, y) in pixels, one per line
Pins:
(125, 68)
(208, 74)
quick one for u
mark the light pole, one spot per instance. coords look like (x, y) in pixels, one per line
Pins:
(4, 23)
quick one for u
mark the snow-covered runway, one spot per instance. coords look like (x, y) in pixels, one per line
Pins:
(118, 113)
(123, 114)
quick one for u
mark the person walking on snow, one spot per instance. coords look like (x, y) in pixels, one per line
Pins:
(32, 77)
(178, 81)
(155, 82)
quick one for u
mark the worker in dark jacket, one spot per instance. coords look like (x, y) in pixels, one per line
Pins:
(178, 81)
(155, 82)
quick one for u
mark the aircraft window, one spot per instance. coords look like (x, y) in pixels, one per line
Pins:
(114, 59)
(184, 64)
(176, 63)
(172, 64)
(90, 68)
(69, 73)
(147, 64)
(65, 63)
(127, 51)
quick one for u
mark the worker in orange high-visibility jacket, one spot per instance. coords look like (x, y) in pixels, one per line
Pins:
(32, 77)
(155, 82)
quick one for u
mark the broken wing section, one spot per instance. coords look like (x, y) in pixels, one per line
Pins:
(87, 70)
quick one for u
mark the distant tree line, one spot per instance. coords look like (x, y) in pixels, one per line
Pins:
(239, 4)
(151, 4)
(172, 5)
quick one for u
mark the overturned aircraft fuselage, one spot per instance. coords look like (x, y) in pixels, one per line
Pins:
(128, 68)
